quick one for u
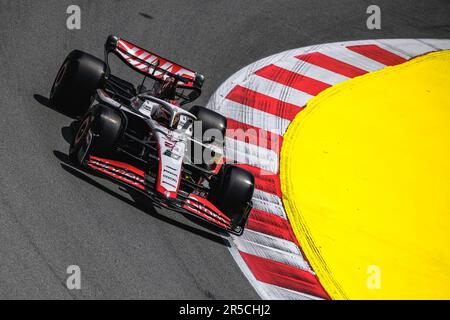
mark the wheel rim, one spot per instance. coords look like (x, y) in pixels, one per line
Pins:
(83, 129)
(58, 78)
(82, 136)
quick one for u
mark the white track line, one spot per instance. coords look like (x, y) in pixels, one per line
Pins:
(271, 254)
(343, 54)
(264, 290)
(252, 116)
(267, 202)
(277, 90)
(270, 241)
(251, 154)
(310, 70)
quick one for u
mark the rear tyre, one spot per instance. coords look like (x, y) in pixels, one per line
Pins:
(232, 194)
(75, 84)
(97, 134)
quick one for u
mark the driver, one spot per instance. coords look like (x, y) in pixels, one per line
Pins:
(161, 115)
(167, 90)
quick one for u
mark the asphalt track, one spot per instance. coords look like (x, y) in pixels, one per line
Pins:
(52, 216)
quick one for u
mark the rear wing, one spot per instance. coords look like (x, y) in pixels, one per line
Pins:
(151, 64)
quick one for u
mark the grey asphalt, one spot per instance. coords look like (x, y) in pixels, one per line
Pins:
(52, 216)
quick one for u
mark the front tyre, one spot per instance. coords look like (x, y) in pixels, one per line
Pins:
(97, 134)
(211, 132)
(232, 194)
(212, 122)
(75, 84)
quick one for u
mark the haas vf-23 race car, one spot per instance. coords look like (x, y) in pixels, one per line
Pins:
(149, 139)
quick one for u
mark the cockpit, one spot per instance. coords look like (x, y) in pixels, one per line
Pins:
(163, 113)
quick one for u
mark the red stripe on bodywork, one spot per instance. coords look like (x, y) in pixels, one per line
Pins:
(208, 205)
(263, 102)
(283, 275)
(117, 176)
(334, 65)
(202, 214)
(378, 54)
(292, 79)
(119, 164)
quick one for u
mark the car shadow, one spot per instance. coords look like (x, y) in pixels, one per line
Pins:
(47, 103)
(140, 201)
(68, 132)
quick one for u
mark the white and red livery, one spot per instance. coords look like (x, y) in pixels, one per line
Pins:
(148, 139)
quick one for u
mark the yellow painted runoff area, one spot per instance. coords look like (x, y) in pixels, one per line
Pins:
(365, 172)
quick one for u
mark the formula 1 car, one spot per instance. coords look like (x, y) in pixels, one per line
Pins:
(172, 154)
